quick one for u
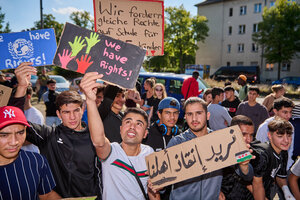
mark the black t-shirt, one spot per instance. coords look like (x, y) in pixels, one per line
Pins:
(148, 101)
(268, 164)
(231, 106)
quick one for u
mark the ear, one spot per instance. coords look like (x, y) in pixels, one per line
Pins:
(58, 114)
(207, 115)
(275, 111)
(270, 136)
(159, 115)
(146, 133)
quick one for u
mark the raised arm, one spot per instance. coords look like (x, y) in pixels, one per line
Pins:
(89, 86)
(258, 188)
(23, 73)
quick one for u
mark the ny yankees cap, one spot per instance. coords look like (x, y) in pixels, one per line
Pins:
(12, 115)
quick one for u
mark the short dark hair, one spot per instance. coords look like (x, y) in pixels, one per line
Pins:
(229, 88)
(196, 74)
(216, 91)
(150, 81)
(29, 91)
(241, 120)
(67, 97)
(100, 89)
(254, 88)
(136, 111)
(227, 83)
(281, 126)
(193, 100)
(51, 80)
(283, 102)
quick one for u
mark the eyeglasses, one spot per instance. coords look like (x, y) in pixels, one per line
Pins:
(159, 90)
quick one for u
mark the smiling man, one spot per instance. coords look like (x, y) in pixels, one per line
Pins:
(123, 164)
(271, 160)
(23, 174)
(68, 147)
(161, 131)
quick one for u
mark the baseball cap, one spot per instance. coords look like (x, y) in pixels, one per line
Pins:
(243, 77)
(12, 115)
(169, 102)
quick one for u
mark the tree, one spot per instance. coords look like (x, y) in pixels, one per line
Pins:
(3, 29)
(82, 19)
(181, 33)
(49, 22)
(279, 32)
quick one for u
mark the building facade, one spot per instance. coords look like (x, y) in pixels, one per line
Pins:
(231, 25)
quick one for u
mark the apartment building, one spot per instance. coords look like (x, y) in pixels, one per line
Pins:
(231, 25)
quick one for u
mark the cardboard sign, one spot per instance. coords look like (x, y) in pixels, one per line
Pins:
(37, 46)
(5, 93)
(199, 156)
(82, 50)
(140, 22)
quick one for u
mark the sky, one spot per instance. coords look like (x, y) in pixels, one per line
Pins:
(21, 14)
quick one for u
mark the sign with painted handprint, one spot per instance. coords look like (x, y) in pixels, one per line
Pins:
(82, 50)
(37, 46)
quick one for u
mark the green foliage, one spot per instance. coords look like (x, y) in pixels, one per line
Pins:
(3, 28)
(181, 34)
(82, 19)
(279, 32)
(49, 22)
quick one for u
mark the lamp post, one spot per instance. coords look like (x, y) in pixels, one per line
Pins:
(41, 11)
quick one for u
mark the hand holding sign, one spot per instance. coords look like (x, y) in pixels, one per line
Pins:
(89, 85)
(65, 58)
(92, 41)
(77, 45)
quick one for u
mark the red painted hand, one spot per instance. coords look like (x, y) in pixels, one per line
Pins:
(83, 63)
(65, 58)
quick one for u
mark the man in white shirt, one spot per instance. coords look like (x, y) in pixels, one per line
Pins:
(282, 108)
(122, 164)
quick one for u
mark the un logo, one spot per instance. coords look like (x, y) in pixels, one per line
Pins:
(21, 48)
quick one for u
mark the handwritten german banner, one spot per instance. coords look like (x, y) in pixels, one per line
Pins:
(82, 50)
(140, 22)
(199, 156)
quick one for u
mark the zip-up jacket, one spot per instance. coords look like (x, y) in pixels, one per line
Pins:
(72, 158)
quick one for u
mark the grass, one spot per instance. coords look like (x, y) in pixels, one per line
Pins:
(264, 88)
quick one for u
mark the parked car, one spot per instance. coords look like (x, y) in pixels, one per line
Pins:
(232, 72)
(291, 80)
(33, 81)
(172, 82)
(61, 83)
(76, 81)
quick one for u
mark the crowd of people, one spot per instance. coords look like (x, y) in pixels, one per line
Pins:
(94, 142)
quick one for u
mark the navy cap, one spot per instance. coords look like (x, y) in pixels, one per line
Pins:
(169, 102)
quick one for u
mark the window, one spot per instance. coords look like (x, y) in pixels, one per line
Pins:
(228, 64)
(240, 63)
(272, 3)
(243, 10)
(257, 8)
(254, 47)
(228, 48)
(269, 67)
(230, 12)
(254, 63)
(241, 48)
(175, 86)
(255, 28)
(242, 29)
(229, 30)
(286, 66)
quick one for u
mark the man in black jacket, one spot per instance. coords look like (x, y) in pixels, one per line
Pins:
(161, 131)
(67, 147)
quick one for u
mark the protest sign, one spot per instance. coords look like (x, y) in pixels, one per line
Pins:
(37, 46)
(5, 93)
(140, 22)
(82, 50)
(199, 156)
